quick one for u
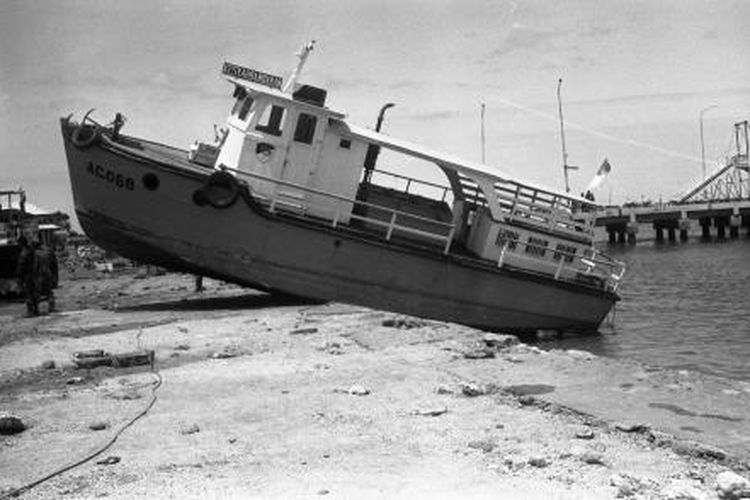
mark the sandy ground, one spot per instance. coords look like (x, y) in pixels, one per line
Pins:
(268, 397)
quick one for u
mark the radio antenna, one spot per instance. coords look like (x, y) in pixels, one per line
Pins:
(566, 167)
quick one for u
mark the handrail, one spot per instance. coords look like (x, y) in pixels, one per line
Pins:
(607, 269)
(391, 225)
(411, 180)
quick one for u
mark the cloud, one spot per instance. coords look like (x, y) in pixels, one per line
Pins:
(522, 38)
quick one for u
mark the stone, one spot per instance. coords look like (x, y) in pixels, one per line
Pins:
(471, 390)
(700, 450)
(182, 347)
(323, 492)
(539, 462)
(527, 400)
(731, 486)
(484, 445)
(592, 458)
(48, 365)
(500, 341)
(631, 427)
(582, 355)
(683, 489)
(10, 425)
(432, 412)
(482, 353)
(190, 429)
(585, 433)
(303, 331)
(626, 485)
(98, 426)
(444, 389)
(659, 438)
(358, 390)
(75, 380)
(110, 460)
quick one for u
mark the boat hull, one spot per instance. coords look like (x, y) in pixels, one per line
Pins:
(245, 244)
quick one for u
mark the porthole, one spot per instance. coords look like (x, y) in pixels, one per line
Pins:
(151, 182)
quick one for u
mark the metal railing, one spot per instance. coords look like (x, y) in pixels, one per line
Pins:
(396, 219)
(411, 180)
(610, 271)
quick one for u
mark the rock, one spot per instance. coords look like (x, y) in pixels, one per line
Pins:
(731, 486)
(659, 438)
(483, 444)
(10, 425)
(683, 489)
(98, 426)
(303, 331)
(182, 347)
(404, 323)
(444, 389)
(482, 353)
(358, 390)
(323, 492)
(527, 400)
(585, 433)
(700, 450)
(626, 485)
(539, 462)
(500, 341)
(472, 390)
(48, 365)
(592, 458)
(75, 380)
(631, 427)
(190, 429)
(110, 460)
(432, 412)
(582, 355)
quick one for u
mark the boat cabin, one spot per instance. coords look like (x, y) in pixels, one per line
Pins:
(298, 156)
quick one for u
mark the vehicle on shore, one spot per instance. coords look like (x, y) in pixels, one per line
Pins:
(291, 198)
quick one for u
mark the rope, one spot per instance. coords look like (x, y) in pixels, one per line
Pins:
(23, 489)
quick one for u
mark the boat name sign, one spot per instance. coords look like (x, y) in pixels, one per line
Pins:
(252, 75)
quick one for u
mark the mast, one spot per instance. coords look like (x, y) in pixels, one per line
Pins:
(566, 167)
(483, 140)
(302, 55)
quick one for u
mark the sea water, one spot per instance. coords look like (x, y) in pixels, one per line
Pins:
(684, 306)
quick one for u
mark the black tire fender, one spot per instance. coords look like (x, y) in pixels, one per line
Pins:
(221, 190)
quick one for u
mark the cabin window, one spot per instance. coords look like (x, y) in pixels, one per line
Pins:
(563, 251)
(245, 108)
(305, 130)
(536, 246)
(345, 144)
(272, 120)
(507, 236)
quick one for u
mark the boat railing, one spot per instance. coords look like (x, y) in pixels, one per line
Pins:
(393, 222)
(566, 266)
(410, 181)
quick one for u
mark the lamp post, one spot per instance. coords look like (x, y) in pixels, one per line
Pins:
(703, 146)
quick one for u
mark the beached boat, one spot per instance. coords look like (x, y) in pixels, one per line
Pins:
(292, 198)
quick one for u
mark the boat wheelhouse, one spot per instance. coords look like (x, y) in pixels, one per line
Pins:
(292, 197)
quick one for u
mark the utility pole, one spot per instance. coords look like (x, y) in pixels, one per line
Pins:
(566, 167)
(483, 141)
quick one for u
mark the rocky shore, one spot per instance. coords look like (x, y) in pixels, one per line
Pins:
(259, 396)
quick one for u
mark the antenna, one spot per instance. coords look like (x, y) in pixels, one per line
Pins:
(566, 167)
(483, 141)
(302, 56)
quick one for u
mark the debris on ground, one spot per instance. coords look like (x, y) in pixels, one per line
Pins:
(10, 425)
(98, 426)
(431, 412)
(484, 445)
(303, 331)
(190, 429)
(110, 460)
(93, 359)
(731, 486)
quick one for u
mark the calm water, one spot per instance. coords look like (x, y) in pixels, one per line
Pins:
(684, 305)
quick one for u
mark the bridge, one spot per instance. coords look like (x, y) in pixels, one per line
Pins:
(721, 203)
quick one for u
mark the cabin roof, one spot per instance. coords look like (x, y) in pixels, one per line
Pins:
(255, 89)
(471, 169)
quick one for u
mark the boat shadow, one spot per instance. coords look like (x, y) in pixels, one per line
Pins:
(234, 302)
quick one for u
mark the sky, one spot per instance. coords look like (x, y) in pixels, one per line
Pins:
(636, 75)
